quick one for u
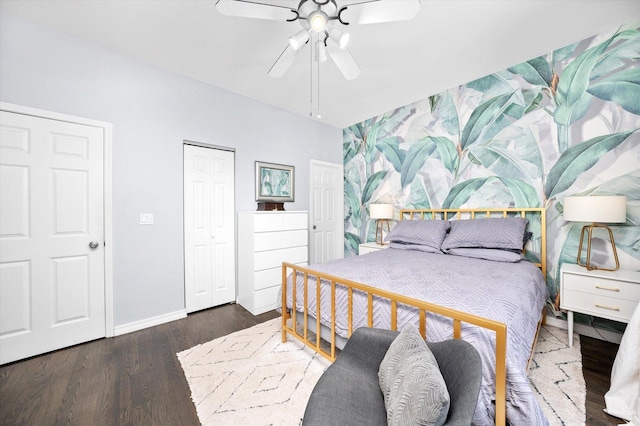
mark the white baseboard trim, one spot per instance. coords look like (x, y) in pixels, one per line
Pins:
(586, 330)
(149, 322)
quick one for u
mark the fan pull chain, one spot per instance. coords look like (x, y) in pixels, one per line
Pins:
(318, 115)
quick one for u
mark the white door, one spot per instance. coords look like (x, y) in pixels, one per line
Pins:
(326, 212)
(52, 257)
(209, 227)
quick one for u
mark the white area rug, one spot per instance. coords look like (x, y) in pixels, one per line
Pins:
(556, 377)
(251, 377)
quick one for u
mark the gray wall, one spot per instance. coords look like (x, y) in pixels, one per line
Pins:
(152, 112)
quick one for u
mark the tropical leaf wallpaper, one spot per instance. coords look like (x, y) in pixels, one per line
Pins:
(561, 124)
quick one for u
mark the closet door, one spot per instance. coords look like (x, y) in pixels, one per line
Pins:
(209, 227)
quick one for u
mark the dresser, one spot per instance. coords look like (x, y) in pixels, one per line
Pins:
(265, 240)
(365, 248)
(605, 294)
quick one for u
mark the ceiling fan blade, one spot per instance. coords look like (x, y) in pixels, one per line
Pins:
(376, 11)
(343, 60)
(284, 61)
(253, 9)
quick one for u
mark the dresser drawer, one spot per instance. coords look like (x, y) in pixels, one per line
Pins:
(277, 240)
(270, 277)
(269, 222)
(265, 300)
(600, 306)
(602, 287)
(274, 258)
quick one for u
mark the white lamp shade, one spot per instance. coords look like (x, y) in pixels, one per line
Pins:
(341, 39)
(381, 211)
(605, 209)
(299, 40)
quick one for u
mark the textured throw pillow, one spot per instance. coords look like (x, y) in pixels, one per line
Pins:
(499, 233)
(423, 232)
(488, 254)
(413, 388)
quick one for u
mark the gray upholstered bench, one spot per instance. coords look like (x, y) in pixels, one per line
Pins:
(348, 393)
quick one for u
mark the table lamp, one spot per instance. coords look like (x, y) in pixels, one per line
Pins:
(597, 210)
(381, 213)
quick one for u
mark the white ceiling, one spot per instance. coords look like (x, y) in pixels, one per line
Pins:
(450, 42)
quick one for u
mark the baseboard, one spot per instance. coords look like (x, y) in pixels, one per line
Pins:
(149, 322)
(586, 330)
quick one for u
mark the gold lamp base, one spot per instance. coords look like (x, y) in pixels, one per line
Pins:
(588, 229)
(379, 225)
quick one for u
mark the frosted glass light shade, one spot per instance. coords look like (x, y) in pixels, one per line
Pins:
(605, 209)
(299, 40)
(341, 39)
(318, 21)
(381, 211)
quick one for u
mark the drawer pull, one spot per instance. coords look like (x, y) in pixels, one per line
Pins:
(611, 308)
(607, 288)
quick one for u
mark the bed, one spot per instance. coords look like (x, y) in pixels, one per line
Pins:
(444, 295)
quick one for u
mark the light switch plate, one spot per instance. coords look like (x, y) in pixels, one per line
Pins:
(146, 218)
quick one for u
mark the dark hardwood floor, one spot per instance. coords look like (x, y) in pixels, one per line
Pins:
(133, 379)
(136, 379)
(597, 361)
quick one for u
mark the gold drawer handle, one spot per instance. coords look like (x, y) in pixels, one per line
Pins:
(611, 308)
(607, 288)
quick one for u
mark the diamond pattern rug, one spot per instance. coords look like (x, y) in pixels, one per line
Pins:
(251, 377)
(556, 377)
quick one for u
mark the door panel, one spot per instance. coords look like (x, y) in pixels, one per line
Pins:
(209, 227)
(15, 298)
(52, 195)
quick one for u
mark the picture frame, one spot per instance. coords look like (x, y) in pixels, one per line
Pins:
(275, 182)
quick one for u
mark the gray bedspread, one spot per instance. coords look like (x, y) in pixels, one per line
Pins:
(512, 293)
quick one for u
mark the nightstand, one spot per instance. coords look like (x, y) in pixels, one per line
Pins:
(605, 294)
(369, 247)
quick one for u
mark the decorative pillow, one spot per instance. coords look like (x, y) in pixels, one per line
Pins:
(488, 254)
(418, 247)
(423, 232)
(413, 388)
(499, 233)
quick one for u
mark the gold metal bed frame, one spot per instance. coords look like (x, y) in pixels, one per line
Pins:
(423, 307)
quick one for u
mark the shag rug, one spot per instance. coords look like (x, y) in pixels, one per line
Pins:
(251, 377)
(556, 377)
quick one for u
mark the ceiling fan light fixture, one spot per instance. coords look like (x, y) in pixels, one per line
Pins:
(299, 40)
(341, 38)
(318, 20)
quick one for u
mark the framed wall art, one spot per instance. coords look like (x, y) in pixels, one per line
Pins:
(275, 183)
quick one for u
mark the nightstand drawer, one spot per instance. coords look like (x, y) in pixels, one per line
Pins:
(602, 287)
(600, 306)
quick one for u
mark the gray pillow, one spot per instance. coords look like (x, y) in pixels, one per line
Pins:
(499, 233)
(496, 255)
(423, 232)
(414, 390)
(418, 247)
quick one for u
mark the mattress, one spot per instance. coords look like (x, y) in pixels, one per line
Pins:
(511, 293)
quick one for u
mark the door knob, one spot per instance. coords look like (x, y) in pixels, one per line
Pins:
(94, 244)
(314, 227)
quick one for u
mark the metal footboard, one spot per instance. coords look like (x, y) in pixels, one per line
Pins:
(314, 342)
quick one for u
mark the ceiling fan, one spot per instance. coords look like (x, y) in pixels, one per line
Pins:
(321, 22)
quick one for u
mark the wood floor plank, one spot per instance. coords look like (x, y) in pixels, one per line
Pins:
(597, 361)
(136, 379)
